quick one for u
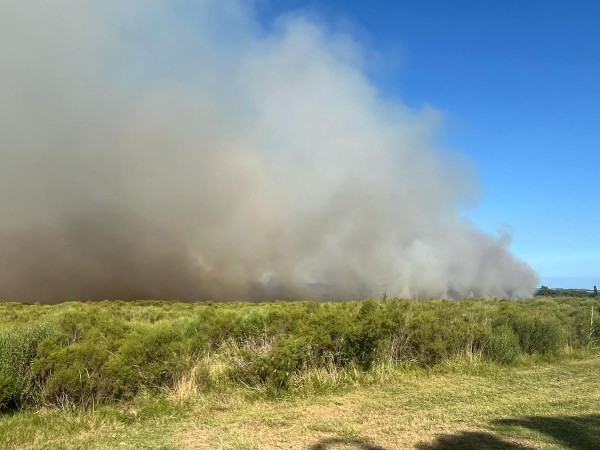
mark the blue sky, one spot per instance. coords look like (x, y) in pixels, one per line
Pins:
(518, 83)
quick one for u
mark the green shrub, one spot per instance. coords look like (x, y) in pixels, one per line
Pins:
(18, 349)
(12, 390)
(543, 336)
(503, 346)
(72, 376)
(152, 357)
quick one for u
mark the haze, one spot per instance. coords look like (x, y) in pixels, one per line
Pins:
(145, 156)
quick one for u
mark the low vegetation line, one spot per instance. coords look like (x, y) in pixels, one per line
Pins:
(80, 355)
(459, 404)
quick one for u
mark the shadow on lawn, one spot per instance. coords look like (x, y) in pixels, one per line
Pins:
(573, 432)
(470, 440)
(330, 443)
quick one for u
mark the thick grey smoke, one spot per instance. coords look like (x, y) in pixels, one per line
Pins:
(150, 152)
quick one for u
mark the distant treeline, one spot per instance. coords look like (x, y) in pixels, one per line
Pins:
(80, 354)
(558, 292)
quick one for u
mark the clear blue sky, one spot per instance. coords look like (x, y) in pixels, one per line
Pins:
(519, 84)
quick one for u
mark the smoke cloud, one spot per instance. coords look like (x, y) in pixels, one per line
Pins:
(170, 150)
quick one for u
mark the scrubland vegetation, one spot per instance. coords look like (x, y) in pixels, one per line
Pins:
(81, 355)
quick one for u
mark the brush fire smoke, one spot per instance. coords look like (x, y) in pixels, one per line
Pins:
(153, 152)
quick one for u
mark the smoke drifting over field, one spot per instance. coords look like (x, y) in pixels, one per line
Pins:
(151, 153)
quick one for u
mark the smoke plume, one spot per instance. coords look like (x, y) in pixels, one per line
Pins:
(171, 150)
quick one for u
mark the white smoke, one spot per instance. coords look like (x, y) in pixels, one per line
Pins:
(150, 153)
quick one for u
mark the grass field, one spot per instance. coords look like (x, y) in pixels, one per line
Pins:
(480, 374)
(459, 404)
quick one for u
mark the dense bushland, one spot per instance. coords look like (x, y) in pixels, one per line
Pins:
(545, 291)
(79, 354)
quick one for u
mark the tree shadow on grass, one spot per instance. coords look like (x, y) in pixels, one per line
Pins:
(574, 432)
(470, 440)
(330, 443)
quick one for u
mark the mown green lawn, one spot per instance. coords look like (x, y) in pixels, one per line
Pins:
(454, 406)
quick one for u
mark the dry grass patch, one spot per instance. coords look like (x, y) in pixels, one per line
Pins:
(414, 410)
(542, 405)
